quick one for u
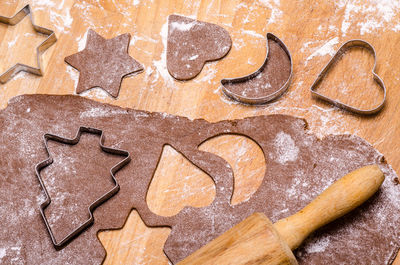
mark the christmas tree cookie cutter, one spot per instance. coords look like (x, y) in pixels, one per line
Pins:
(46, 137)
(342, 50)
(50, 40)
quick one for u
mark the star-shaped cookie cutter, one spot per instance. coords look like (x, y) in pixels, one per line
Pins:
(345, 47)
(99, 201)
(50, 40)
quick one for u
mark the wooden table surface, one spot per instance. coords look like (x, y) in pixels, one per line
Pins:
(312, 30)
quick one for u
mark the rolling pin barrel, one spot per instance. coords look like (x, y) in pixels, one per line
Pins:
(339, 199)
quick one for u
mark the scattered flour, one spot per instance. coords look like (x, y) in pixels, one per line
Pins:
(100, 112)
(73, 74)
(161, 65)
(43, 4)
(285, 148)
(82, 41)
(136, 38)
(182, 26)
(373, 14)
(396, 28)
(209, 76)
(95, 92)
(327, 48)
(2, 253)
(293, 190)
(59, 14)
(238, 44)
(250, 62)
(252, 33)
(21, 76)
(319, 246)
(12, 43)
(276, 13)
(305, 46)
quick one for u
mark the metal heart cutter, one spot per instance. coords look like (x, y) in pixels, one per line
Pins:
(342, 50)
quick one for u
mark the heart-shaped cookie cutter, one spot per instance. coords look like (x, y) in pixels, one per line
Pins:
(345, 47)
(262, 99)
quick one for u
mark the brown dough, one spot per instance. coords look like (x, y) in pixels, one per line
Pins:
(192, 43)
(103, 63)
(298, 167)
(262, 85)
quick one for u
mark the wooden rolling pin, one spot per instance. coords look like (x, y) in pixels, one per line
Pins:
(257, 241)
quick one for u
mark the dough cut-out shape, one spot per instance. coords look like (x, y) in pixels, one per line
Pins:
(246, 159)
(175, 172)
(152, 239)
(50, 137)
(103, 63)
(298, 167)
(342, 50)
(49, 41)
(191, 43)
(269, 82)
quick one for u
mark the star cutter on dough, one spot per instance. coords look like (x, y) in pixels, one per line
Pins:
(345, 47)
(50, 40)
(95, 204)
(263, 99)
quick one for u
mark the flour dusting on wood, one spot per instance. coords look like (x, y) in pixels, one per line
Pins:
(374, 15)
(326, 49)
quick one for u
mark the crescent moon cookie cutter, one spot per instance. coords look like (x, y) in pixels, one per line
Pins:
(253, 100)
(50, 40)
(46, 137)
(342, 50)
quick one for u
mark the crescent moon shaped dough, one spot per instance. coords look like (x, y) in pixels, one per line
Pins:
(298, 167)
(269, 82)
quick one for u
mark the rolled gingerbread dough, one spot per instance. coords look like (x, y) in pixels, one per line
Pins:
(298, 167)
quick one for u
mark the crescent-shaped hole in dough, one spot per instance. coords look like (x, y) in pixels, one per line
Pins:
(246, 159)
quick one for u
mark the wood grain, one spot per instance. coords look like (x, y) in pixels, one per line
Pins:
(312, 30)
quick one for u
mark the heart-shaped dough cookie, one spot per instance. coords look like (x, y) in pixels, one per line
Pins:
(192, 43)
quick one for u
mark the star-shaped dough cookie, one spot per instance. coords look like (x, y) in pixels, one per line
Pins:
(103, 63)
